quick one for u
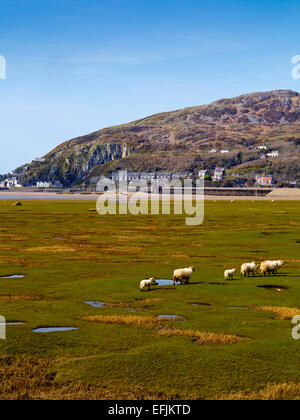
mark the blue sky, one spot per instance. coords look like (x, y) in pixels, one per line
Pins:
(74, 67)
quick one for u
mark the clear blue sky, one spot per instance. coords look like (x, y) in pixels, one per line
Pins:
(75, 66)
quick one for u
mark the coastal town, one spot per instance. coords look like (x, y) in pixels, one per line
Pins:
(217, 176)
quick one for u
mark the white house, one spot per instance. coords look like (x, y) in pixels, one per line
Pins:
(225, 151)
(10, 183)
(218, 174)
(273, 154)
(42, 184)
(262, 147)
(212, 151)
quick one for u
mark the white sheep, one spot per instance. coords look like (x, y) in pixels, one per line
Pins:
(248, 268)
(182, 275)
(147, 283)
(279, 264)
(269, 266)
(228, 274)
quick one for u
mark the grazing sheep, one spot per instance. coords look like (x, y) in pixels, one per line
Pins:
(182, 275)
(147, 283)
(248, 268)
(228, 274)
(267, 267)
(279, 264)
(270, 267)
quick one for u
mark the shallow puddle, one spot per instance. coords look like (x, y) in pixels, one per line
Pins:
(172, 317)
(53, 329)
(164, 282)
(13, 276)
(96, 304)
(103, 304)
(12, 323)
(273, 287)
(200, 304)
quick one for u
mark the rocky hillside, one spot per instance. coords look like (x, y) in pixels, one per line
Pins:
(182, 140)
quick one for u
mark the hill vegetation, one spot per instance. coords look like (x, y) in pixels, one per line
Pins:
(183, 140)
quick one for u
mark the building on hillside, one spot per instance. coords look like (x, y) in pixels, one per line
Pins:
(262, 147)
(240, 181)
(212, 151)
(264, 180)
(10, 183)
(225, 151)
(273, 154)
(57, 184)
(148, 176)
(43, 184)
(218, 174)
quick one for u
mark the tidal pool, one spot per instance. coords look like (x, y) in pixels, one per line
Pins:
(96, 304)
(53, 329)
(164, 282)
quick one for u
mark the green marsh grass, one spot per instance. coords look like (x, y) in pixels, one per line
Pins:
(71, 256)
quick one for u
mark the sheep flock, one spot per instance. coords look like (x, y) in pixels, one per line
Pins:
(183, 275)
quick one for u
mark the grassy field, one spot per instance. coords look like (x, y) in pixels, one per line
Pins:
(237, 346)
